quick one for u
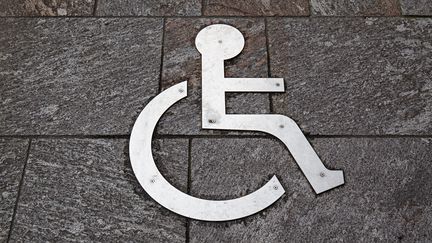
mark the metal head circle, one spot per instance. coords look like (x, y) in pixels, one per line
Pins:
(220, 39)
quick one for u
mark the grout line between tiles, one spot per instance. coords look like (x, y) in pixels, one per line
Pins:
(180, 136)
(270, 95)
(189, 185)
(215, 16)
(202, 8)
(399, 3)
(310, 8)
(62, 136)
(162, 54)
(189, 181)
(20, 185)
(187, 239)
(95, 8)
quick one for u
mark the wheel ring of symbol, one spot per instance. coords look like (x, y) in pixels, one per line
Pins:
(172, 198)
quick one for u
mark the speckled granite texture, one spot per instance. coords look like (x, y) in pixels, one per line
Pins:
(418, 7)
(46, 7)
(355, 8)
(363, 76)
(386, 196)
(85, 190)
(256, 7)
(75, 74)
(148, 8)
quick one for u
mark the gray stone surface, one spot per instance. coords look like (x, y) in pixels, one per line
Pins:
(12, 160)
(149, 8)
(84, 190)
(417, 7)
(76, 75)
(386, 196)
(256, 8)
(355, 8)
(183, 62)
(356, 76)
(46, 8)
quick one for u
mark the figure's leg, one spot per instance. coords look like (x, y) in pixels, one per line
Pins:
(285, 129)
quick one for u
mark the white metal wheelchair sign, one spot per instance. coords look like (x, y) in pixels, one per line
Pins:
(217, 43)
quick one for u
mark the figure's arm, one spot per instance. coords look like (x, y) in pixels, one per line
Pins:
(254, 84)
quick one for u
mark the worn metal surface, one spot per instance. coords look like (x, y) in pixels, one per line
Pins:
(170, 197)
(217, 43)
(220, 42)
(182, 61)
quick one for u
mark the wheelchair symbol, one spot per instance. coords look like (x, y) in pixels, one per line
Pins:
(217, 43)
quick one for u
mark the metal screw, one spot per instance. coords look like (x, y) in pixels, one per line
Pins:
(152, 180)
(322, 174)
(211, 121)
(278, 84)
(275, 187)
(281, 126)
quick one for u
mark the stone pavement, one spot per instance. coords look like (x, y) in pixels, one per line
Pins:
(358, 77)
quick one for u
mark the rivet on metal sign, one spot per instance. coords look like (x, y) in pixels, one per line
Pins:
(217, 43)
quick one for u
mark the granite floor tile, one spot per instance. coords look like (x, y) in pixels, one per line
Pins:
(355, 8)
(385, 198)
(256, 8)
(418, 7)
(182, 61)
(46, 8)
(149, 8)
(362, 76)
(77, 75)
(84, 190)
(12, 159)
